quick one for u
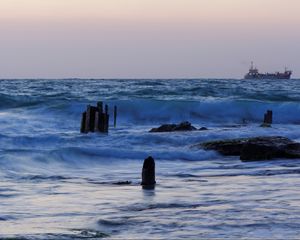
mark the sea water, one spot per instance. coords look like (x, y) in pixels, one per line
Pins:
(56, 183)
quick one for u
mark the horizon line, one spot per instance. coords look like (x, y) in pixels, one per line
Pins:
(175, 78)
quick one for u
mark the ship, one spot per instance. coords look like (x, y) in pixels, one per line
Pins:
(255, 74)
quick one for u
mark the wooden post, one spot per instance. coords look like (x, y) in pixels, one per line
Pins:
(106, 119)
(101, 117)
(82, 127)
(148, 174)
(104, 123)
(115, 116)
(101, 122)
(268, 119)
(96, 122)
(93, 111)
(107, 123)
(100, 107)
(87, 119)
(106, 109)
(270, 116)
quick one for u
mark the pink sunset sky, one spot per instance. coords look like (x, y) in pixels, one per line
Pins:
(147, 38)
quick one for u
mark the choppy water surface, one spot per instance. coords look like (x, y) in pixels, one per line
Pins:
(57, 183)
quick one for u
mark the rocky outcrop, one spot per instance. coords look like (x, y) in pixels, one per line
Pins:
(184, 126)
(255, 149)
(230, 147)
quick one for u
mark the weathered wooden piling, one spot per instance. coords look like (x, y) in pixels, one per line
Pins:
(106, 119)
(268, 119)
(82, 127)
(94, 119)
(148, 173)
(87, 119)
(115, 116)
(106, 109)
(100, 107)
(96, 125)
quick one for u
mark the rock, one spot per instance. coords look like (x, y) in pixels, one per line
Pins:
(164, 128)
(265, 148)
(203, 129)
(122, 183)
(230, 147)
(184, 126)
(258, 148)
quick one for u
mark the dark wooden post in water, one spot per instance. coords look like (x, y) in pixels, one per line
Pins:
(87, 119)
(268, 119)
(100, 107)
(83, 119)
(93, 118)
(101, 116)
(148, 174)
(115, 116)
(106, 119)
(96, 125)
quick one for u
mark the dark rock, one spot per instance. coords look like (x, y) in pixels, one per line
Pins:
(258, 148)
(230, 147)
(122, 183)
(203, 129)
(164, 128)
(184, 126)
(148, 173)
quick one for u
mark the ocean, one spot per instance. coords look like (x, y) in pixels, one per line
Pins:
(56, 183)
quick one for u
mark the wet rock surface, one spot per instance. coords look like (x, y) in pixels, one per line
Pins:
(183, 126)
(122, 183)
(257, 148)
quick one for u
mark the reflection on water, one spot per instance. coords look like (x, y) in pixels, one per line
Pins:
(207, 204)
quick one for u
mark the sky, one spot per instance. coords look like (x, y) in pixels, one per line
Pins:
(147, 38)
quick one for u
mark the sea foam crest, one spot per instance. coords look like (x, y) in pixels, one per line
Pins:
(215, 111)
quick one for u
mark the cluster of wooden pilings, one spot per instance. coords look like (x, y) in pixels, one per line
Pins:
(96, 119)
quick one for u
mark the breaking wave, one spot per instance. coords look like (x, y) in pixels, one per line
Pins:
(156, 101)
(148, 111)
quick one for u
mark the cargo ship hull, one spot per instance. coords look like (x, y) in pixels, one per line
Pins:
(268, 76)
(255, 74)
